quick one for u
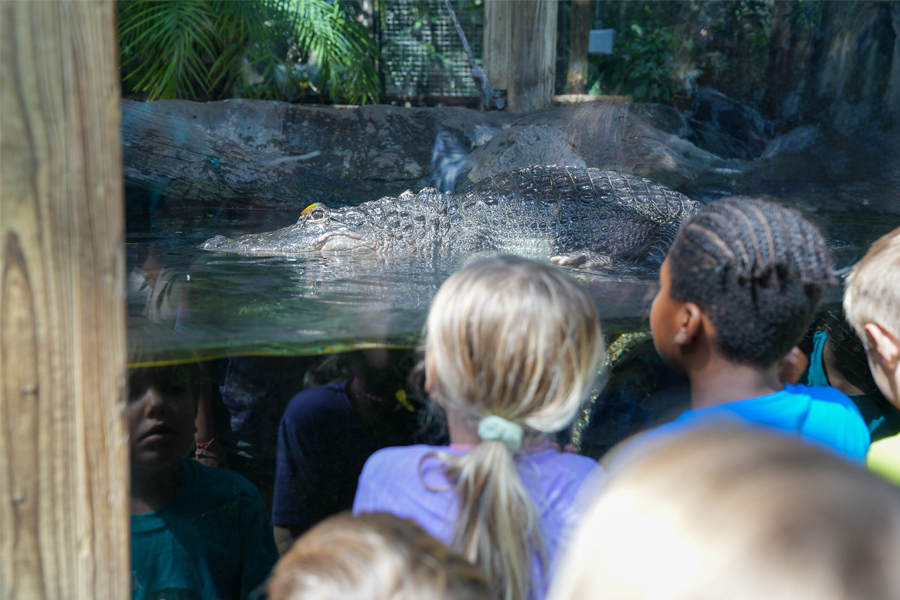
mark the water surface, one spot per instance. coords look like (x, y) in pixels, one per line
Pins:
(218, 305)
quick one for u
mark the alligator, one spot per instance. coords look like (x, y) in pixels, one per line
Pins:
(576, 217)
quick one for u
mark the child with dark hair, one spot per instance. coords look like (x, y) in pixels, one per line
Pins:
(197, 532)
(738, 290)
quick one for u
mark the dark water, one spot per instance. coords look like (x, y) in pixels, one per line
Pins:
(223, 304)
(214, 305)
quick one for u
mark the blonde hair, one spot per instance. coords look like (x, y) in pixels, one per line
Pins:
(872, 294)
(738, 514)
(373, 556)
(521, 340)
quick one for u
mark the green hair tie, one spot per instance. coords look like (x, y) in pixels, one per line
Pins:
(494, 427)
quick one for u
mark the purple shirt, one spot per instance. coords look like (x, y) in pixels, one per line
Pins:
(392, 481)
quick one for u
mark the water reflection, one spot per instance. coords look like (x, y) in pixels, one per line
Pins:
(327, 432)
(227, 305)
(195, 531)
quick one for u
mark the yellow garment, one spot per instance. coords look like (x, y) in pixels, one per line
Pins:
(884, 458)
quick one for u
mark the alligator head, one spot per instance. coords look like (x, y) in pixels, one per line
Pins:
(319, 228)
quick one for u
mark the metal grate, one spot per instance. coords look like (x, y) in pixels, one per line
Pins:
(423, 55)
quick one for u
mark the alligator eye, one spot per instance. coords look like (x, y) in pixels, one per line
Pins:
(314, 212)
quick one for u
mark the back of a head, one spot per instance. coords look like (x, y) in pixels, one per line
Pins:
(519, 340)
(374, 556)
(757, 269)
(515, 338)
(738, 514)
(872, 294)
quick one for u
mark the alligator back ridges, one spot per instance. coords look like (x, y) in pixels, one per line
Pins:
(565, 210)
(552, 187)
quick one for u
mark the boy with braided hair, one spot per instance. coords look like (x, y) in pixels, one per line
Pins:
(738, 289)
(872, 306)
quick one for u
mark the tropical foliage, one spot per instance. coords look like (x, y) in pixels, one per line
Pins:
(644, 65)
(213, 49)
(666, 49)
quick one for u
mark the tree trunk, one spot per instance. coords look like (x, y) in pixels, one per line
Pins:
(892, 99)
(63, 458)
(520, 51)
(579, 35)
(781, 70)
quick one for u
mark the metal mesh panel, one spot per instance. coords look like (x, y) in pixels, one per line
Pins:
(422, 52)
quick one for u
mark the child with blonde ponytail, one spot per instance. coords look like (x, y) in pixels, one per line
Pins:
(512, 348)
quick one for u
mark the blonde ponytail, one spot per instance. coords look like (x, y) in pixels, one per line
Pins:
(519, 340)
(494, 506)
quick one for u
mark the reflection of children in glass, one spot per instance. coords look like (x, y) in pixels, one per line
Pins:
(328, 432)
(837, 358)
(196, 532)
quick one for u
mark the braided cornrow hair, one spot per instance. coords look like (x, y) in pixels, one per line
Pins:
(757, 269)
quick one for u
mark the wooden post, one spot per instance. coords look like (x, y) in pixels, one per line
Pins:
(64, 524)
(520, 51)
(579, 35)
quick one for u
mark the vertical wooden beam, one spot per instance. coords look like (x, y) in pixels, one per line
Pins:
(579, 36)
(64, 525)
(520, 51)
(497, 20)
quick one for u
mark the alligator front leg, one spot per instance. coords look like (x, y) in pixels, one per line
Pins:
(585, 259)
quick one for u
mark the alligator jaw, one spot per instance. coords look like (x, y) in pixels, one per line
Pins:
(281, 242)
(342, 239)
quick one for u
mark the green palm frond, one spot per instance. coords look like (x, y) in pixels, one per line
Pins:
(202, 49)
(254, 36)
(163, 44)
(339, 47)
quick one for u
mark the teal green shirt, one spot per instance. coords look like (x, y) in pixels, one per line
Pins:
(212, 541)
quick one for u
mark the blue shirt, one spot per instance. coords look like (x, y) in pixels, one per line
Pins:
(212, 541)
(820, 415)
